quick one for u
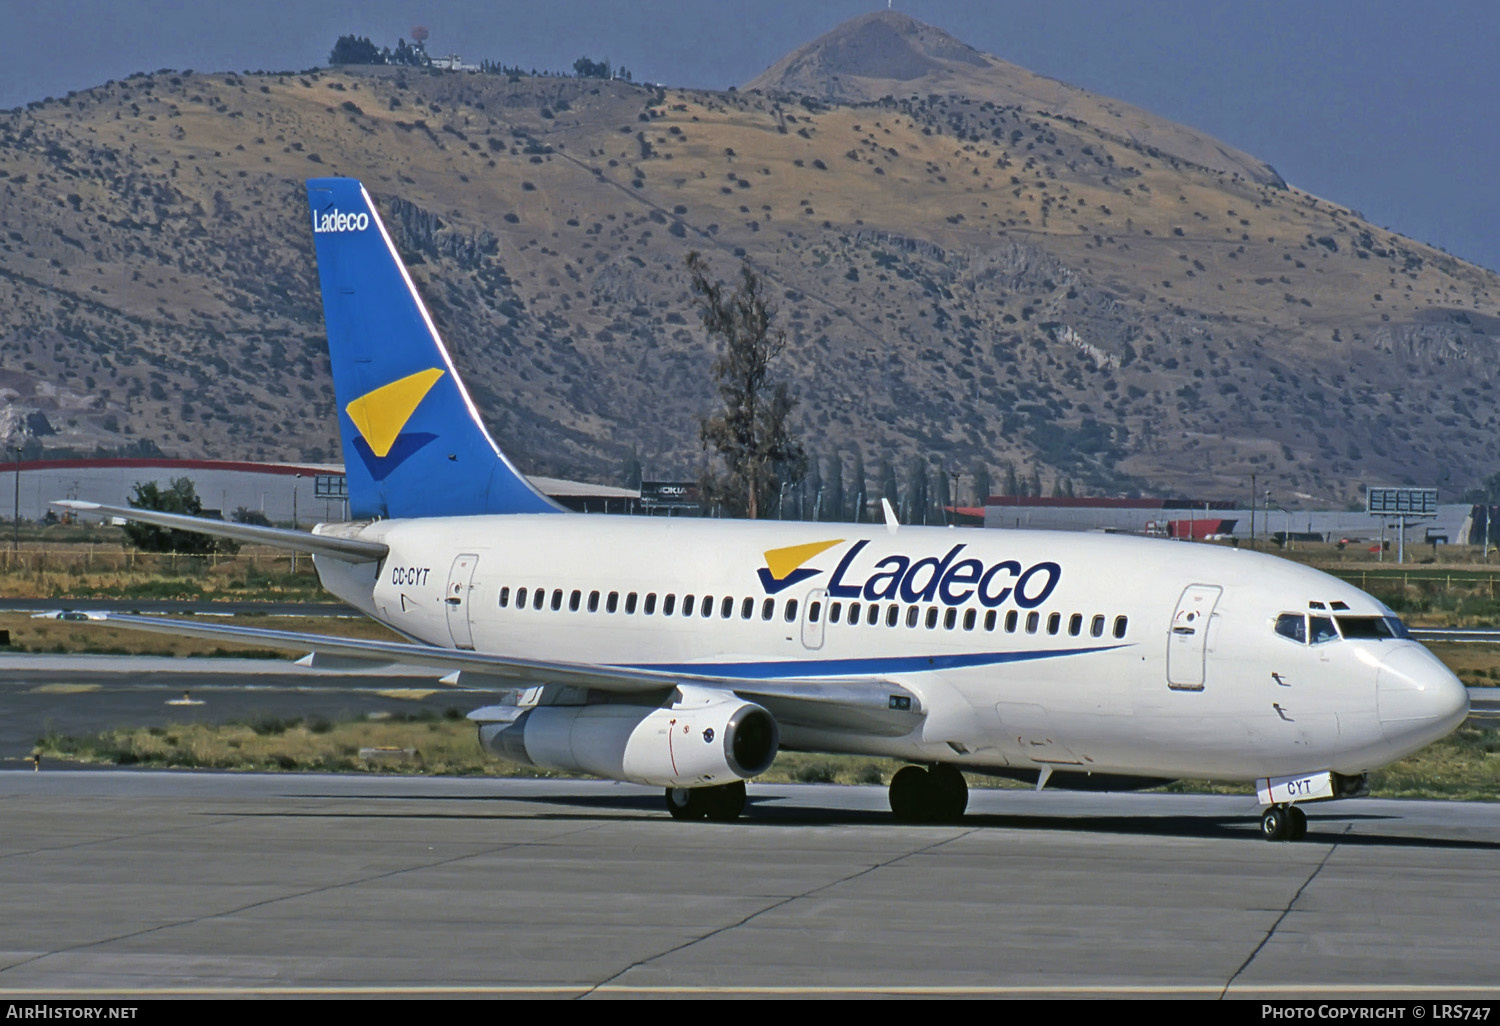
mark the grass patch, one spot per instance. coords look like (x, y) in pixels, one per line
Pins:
(72, 637)
(1463, 766)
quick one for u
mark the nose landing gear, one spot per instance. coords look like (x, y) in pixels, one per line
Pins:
(1283, 823)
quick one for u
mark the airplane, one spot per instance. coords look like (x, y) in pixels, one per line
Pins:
(685, 653)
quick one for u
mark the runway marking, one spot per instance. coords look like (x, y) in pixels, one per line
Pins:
(64, 689)
(914, 990)
(415, 694)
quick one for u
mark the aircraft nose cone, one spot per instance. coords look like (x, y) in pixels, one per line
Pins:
(1417, 698)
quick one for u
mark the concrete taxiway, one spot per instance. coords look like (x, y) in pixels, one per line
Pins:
(136, 883)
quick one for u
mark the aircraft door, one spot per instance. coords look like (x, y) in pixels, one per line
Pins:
(814, 614)
(456, 599)
(1187, 644)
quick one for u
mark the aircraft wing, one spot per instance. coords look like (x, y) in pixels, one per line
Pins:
(868, 704)
(350, 550)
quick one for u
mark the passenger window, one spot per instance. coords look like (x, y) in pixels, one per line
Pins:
(932, 617)
(853, 614)
(814, 610)
(1293, 626)
(537, 597)
(747, 609)
(969, 618)
(989, 620)
(1322, 630)
(668, 604)
(835, 610)
(650, 603)
(1033, 620)
(706, 607)
(1010, 622)
(593, 602)
(913, 615)
(1121, 623)
(1097, 627)
(1075, 625)
(612, 603)
(630, 603)
(892, 614)
(1054, 623)
(767, 609)
(791, 610)
(687, 605)
(574, 600)
(556, 599)
(950, 618)
(504, 597)
(727, 609)
(520, 598)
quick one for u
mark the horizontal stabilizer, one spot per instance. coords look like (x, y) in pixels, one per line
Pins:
(350, 550)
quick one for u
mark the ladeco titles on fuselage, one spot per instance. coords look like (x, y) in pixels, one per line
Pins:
(947, 579)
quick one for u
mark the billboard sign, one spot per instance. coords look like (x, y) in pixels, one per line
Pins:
(1401, 502)
(669, 495)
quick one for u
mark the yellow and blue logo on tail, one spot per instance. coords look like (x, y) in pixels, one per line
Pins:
(413, 443)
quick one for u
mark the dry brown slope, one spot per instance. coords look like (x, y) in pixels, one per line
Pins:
(960, 280)
(890, 54)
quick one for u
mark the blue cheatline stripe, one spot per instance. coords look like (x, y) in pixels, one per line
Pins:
(872, 666)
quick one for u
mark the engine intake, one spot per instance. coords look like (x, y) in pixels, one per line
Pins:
(706, 737)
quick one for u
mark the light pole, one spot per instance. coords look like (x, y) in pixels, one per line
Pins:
(296, 482)
(1252, 511)
(15, 541)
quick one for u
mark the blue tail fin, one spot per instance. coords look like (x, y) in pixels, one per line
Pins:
(414, 445)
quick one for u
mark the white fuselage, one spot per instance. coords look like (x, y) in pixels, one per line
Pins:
(1028, 650)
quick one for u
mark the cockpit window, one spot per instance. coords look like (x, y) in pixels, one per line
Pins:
(1293, 626)
(1322, 629)
(1379, 628)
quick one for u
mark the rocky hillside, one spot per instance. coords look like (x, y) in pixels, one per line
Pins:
(888, 54)
(968, 277)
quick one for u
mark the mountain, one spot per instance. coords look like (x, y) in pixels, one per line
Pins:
(889, 54)
(963, 281)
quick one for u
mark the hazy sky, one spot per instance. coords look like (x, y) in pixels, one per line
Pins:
(1390, 108)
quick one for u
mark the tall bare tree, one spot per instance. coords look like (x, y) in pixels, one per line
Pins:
(750, 432)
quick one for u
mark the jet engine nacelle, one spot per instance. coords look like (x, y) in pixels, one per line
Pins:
(708, 737)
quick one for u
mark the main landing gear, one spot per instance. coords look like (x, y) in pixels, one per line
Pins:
(722, 803)
(1283, 823)
(936, 795)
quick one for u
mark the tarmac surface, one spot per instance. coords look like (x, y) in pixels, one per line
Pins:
(126, 883)
(82, 694)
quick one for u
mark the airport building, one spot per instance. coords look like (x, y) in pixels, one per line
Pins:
(304, 493)
(308, 493)
(1454, 523)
